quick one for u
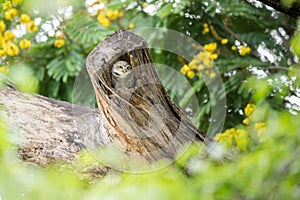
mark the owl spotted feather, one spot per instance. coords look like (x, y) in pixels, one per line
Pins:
(122, 77)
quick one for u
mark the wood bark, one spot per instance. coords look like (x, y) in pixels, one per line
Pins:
(142, 121)
(47, 130)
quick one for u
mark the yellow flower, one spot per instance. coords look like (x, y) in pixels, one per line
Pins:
(224, 41)
(233, 48)
(2, 53)
(7, 5)
(144, 4)
(203, 55)
(12, 49)
(2, 26)
(214, 56)
(230, 135)
(218, 137)
(205, 30)
(241, 139)
(59, 43)
(25, 44)
(190, 74)
(120, 14)
(210, 47)
(4, 70)
(184, 69)
(24, 19)
(2, 40)
(16, 2)
(31, 27)
(226, 138)
(11, 13)
(103, 20)
(244, 50)
(112, 14)
(246, 121)
(131, 25)
(205, 25)
(8, 35)
(200, 67)
(259, 126)
(210, 73)
(249, 109)
(208, 62)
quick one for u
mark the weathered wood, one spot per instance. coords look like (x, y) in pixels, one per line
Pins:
(142, 121)
(146, 122)
(47, 130)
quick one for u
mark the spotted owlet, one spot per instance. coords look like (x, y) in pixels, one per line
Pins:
(122, 76)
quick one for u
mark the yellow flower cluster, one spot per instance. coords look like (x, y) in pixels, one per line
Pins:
(248, 110)
(233, 137)
(239, 137)
(203, 62)
(106, 16)
(245, 50)
(258, 126)
(7, 45)
(205, 28)
(11, 13)
(7, 5)
(8, 41)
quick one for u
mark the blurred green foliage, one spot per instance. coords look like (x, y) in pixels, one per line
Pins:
(256, 54)
(270, 170)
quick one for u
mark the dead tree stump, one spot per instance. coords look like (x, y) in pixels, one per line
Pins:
(141, 120)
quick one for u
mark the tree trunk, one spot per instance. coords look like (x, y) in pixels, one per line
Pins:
(140, 120)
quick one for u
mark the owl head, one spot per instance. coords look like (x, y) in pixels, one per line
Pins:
(121, 69)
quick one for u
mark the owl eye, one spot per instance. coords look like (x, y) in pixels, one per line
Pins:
(119, 67)
(128, 66)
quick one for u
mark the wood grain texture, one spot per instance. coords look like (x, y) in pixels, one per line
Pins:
(147, 122)
(143, 122)
(47, 130)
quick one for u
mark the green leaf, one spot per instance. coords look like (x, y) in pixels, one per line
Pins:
(165, 10)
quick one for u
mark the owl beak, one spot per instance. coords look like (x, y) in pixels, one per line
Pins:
(117, 74)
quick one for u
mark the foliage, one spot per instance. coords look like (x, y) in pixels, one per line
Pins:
(43, 49)
(270, 163)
